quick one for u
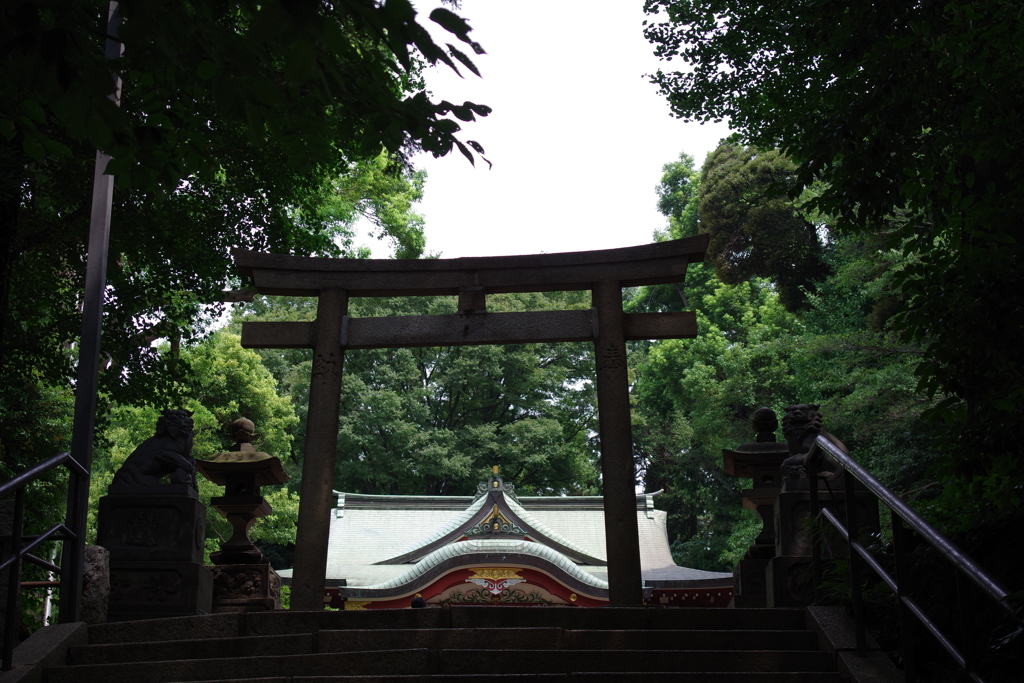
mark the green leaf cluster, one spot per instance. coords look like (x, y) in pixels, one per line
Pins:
(755, 229)
(318, 81)
(432, 421)
(170, 258)
(271, 126)
(903, 117)
(693, 398)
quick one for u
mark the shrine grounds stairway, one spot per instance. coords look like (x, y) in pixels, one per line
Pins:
(465, 643)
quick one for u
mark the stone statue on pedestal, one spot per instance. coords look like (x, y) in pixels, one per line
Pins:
(166, 454)
(801, 425)
(788, 575)
(156, 531)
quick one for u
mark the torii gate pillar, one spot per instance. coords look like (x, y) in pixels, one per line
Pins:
(625, 586)
(314, 527)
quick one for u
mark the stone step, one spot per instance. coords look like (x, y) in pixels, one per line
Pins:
(608, 661)
(324, 641)
(576, 618)
(206, 648)
(690, 640)
(630, 618)
(706, 677)
(418, 678)
(438, 639)
(380, 663)
(171, 628)
(626, 677)
(442, 639)
(391, 663)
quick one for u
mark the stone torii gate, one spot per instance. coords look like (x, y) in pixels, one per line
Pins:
(334, 281)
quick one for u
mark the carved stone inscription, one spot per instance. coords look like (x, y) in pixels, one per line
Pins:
(325, 364)
(152, 528)
(611, 357)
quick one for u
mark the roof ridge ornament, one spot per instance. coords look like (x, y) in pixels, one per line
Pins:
(495, 483)
(495, 523)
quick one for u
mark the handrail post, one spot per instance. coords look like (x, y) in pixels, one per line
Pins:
(12, 618)
(903, 584)
(812, 473)
(855, 590)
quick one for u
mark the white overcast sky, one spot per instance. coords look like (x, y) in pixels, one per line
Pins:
(577, 137)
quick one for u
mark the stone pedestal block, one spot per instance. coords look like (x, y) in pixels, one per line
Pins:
(152, 528)
(790, 582)
(750, 576)
(793, 511)
(245, 588)
(156, 552)
(148, 590)
(749, 582)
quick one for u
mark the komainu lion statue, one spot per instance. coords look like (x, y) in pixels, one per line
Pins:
(166, 454)
(801, 425)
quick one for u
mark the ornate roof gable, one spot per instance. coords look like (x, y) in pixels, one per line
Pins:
(494, 513)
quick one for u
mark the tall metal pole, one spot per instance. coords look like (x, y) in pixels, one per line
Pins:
(73, 562)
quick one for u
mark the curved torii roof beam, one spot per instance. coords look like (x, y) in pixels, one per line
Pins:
(648, 264)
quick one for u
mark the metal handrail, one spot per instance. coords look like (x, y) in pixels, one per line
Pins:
(902, 514)
(38, 470)
(21, 551)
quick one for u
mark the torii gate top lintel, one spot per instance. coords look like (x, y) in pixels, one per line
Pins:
(649, 264)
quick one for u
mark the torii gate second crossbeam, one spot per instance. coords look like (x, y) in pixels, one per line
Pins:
(334, 281)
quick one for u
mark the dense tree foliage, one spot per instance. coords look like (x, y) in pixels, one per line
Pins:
(431, 421)
(318, 81)
(266, 125)
(899, 114)
(694, 397)
(755, 231)
(260, 107)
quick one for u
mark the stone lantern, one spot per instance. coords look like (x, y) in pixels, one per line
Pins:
(243, 579)
(759, 461)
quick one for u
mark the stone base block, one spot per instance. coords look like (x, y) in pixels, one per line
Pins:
(245, 588)
(152, 528)
(790, 582)
(148, 590)
(743, 601)
(749, 579)
(792, 516)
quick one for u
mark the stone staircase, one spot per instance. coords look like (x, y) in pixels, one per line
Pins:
(465, 643)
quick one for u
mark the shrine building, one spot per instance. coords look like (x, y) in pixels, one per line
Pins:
(496, 548)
